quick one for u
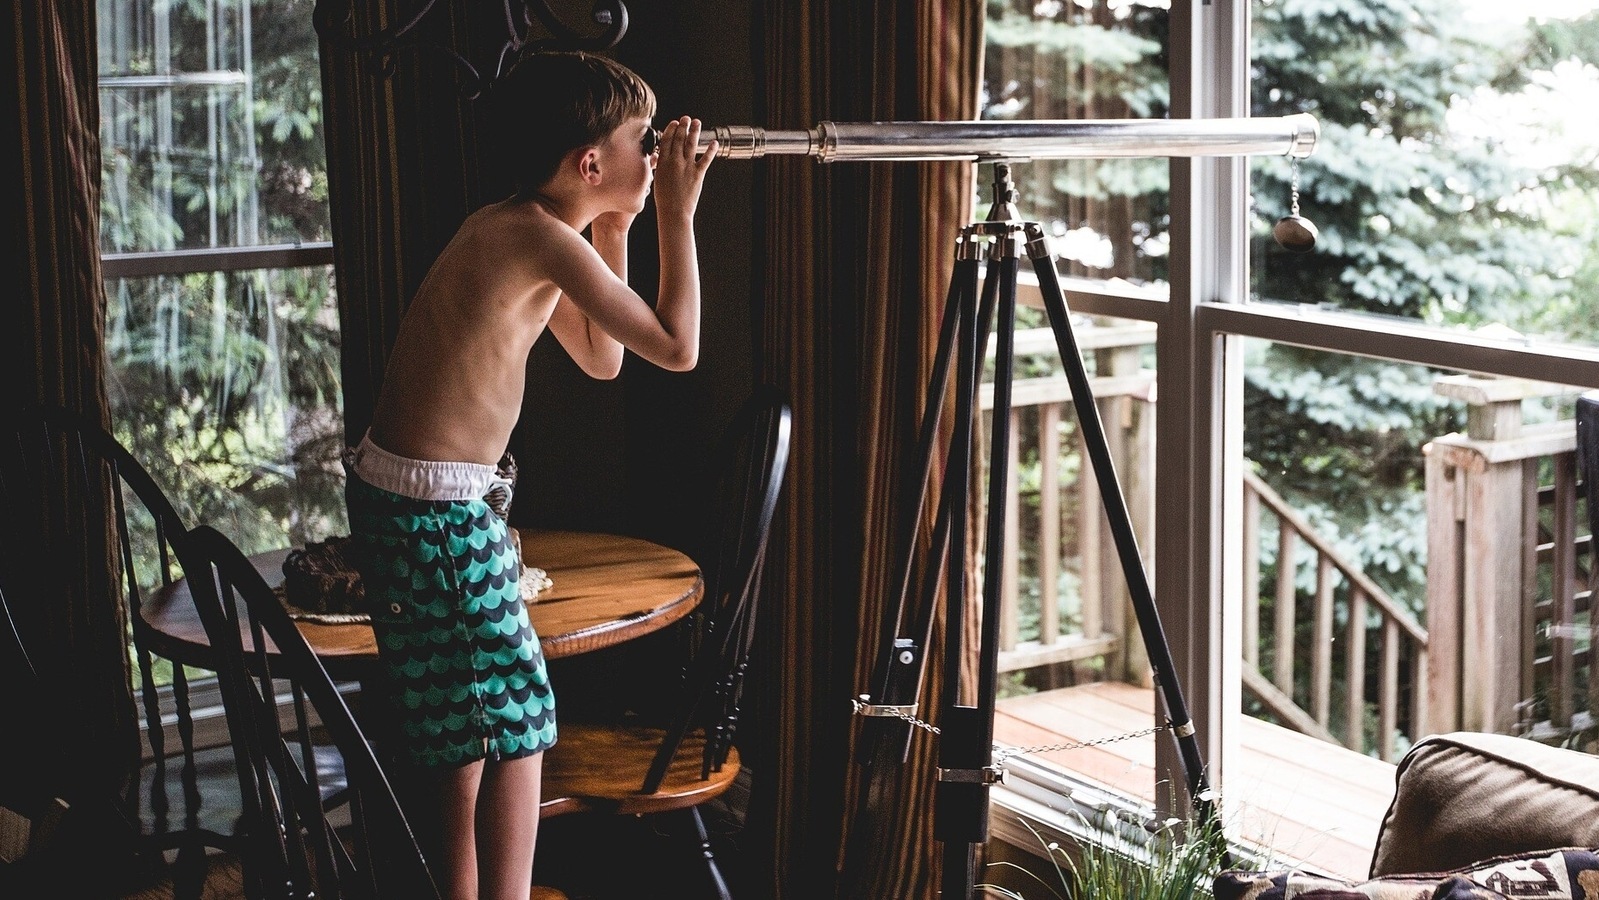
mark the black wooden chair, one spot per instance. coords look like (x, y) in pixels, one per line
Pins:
(639, 767)
(295, 844)
(102, 511)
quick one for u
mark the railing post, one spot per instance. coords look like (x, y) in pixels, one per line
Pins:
(1587, 452)
(1476, 543)
(1130, 435)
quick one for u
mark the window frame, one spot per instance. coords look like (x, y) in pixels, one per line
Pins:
(216, 259)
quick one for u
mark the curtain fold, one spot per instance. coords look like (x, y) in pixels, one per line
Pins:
(858, 259)
(63, 587)
(404, 170)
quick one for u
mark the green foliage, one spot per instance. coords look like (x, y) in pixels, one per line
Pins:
(1551, 42)
(1417, 220)
(226, 385)
(1176, 861)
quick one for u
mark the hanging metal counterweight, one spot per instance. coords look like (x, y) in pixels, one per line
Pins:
(1293, 136)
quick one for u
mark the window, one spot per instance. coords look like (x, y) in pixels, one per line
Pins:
(1315, 407)
(222, 330)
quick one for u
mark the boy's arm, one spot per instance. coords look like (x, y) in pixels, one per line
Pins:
(679, 175)
(667, 335)
(597, 353)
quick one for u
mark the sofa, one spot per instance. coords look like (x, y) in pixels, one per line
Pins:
(1473, 816)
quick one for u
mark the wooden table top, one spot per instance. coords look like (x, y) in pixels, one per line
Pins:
(606, 589)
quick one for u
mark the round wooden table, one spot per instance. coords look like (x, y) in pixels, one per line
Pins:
(606, 589)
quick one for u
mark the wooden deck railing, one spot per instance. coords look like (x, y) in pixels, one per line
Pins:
(1092, 622)
(1337, 658)
(1347, 611)
(1508, 602)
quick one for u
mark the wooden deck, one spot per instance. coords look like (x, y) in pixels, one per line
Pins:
(1311, 803)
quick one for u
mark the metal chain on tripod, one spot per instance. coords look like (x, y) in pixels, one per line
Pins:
(1001, 754)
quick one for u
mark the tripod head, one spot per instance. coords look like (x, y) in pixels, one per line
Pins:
(1004, 208)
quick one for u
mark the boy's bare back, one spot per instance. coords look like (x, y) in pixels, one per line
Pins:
(454, 383)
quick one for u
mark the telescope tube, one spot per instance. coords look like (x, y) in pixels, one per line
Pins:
(828, 142)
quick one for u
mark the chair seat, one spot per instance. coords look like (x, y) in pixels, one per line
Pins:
(598, 768)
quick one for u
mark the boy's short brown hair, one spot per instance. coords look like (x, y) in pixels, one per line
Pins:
(552, 103)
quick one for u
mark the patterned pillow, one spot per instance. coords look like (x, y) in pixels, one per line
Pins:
(1568, 874)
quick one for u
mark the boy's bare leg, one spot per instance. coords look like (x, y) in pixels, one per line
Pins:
(456, 873)
(508, 827)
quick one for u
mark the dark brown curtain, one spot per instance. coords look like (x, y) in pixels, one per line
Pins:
(64, 593)
(403, 172)
(54, 108)
(858, 259)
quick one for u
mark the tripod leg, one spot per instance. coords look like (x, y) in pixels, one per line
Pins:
(886, 740)
(966, 742)
(957, 309)
(1121, 528)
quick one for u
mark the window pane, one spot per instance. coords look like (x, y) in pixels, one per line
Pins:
(211, 125)
(1057, 60)
(1072, 663)
(227, 387)
(1413, 552)
(1072, 666)
(224, 384)
(1454, 182)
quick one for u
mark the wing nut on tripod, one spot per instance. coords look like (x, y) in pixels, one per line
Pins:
(1037, 243)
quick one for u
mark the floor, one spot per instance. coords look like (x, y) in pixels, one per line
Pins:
(661, 857)
(580, 855)
(1312, 803)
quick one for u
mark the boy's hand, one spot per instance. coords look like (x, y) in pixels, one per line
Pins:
(679, 175)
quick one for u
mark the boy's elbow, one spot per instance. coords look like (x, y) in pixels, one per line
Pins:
(606, 370)
(682, 359)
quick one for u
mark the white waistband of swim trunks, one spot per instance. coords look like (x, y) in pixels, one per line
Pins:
(422, 479)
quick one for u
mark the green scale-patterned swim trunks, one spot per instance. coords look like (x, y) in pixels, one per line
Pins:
(463, 663)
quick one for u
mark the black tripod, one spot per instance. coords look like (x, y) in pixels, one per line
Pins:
(966, 768)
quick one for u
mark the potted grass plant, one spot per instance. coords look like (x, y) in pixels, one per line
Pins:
(1173, 861)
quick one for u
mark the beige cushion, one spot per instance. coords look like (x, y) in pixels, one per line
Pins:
(1464, 797)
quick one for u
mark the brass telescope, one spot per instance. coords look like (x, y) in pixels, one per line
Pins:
(1293, 136)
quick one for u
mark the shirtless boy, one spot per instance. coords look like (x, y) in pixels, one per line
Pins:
(469, 680)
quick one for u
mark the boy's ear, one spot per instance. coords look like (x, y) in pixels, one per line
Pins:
(588, 164)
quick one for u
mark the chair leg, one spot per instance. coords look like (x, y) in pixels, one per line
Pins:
(717, 881)
(189, 872)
